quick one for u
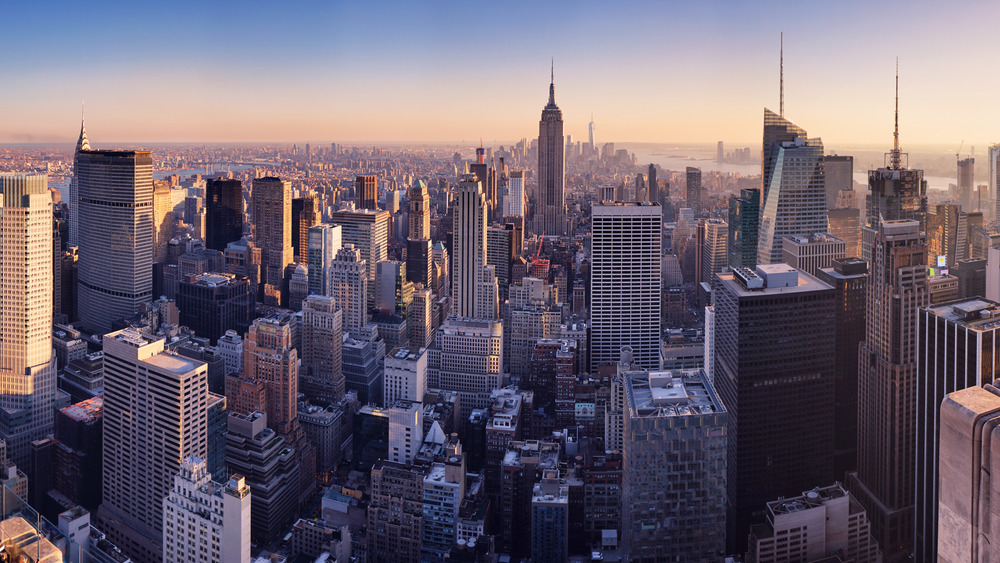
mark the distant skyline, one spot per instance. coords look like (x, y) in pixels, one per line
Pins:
(388, 72)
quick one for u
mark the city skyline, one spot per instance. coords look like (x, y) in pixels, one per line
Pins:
(359, 73)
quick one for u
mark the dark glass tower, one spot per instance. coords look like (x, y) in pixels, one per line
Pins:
(694, 189)
(744, 220)
(224, 223)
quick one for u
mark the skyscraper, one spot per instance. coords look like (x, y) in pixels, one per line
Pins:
(366, 192)
(625, 287)
(322, 348)
(550, 200)
(654, 186)
(838, 174)
(115, 271)
(957, 346)
(473, 282)
(514, 205)
(467, 357)
(590, 131)
(224, 206)
(792, 184)
(268, 357)
(773, 326)
(324, 243)
(272, 222)
(693, 198)
(368, 231)
(420, 212)
(82, 144)
(744, 220)
(27, 360)
(993, 162)
(810, 252)
(887, 372)
(348, 285)
(164, 220)
(307, 212)
(418, 243)
(155, 416)
(966, 184)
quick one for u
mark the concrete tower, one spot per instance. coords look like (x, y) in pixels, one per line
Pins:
(550, 200)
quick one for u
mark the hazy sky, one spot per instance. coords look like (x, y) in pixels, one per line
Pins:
(370, 71)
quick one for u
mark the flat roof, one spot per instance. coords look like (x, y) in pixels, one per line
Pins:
(807, 283)
(85, 411)
(173, 362)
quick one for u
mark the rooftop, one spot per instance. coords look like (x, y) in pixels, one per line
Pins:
(977, 314)
(85, 411)
(670, 393)
(173, 362)
(805, 282)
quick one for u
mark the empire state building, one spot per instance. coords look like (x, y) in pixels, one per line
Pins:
(550, 202)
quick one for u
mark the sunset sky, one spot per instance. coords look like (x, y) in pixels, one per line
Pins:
(453, 71)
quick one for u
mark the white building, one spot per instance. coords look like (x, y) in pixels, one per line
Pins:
(467, 357)
(230, 347)
(322, 348)
(473, 284)
(405, 375)
(811, 252)
(324, 242)
(349, 286)
(514, 204)
(205, 521)
(625, 284)
(406, 430)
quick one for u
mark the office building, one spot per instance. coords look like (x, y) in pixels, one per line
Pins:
(322, 349)
(405, 375)
(887, 380)
(272, 224)
(212, 303)
(82, 144)
(744, 220)
(393, 292)
(366, 192)
(499, 253)
(224, 210)
(364, 357)
(269, 467)
(368, 231)
(324, 241)
(349, 287)
(823, 524)
(444, 493)
(116, 188)
(27, 359)
(230, 347)
(406, 430)
(243, 258)
(420, 212)
(155, 415)
(714, 257)
(956, 349)
(515, 201)
(395, 513)
(794, 198)
(675, 432)
(164, 220)
(971, 276)
(270, 358)
(693, 198)
(993, 176)
(625, 288)
(419, 261)
(849, 277)
(421, 320)
(550, 198)
(966, 184)
(467, 357)
(781, 426)
(474, 291)
(838, 175)
(845, 224)
(654, 186)
(810, 252)
(550, 518)
(204, 520)
(307, 212)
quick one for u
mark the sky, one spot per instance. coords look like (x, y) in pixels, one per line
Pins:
(442, 71)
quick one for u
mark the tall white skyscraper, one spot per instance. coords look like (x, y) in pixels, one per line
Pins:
(514, 204)
(27, 360)
(625, 283)
(324, 242)
(993, 162)
(405, 374)
(793, 185)
(474, 284)
(115, 271)
(348, 285)
(155, 417)
(219, 513)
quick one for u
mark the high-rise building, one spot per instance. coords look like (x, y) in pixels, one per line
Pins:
(467, 357)
(849, 277)
(395, 513)
(780, 426)
(947, 229)
(550, 200)
(675, 432)
(405, 375)
(115, 270)
(993, 163)
(966, 184)
(219, 513)
(406, 430)
(307, 212)
(838, 174)
(822, 523)
(349, 287)
(368, 231)
(272, 223)
(82, 144)
(514, 203)
(625, 287)
(27, 359)
(693, 198)
(155, 416)
(887, 381)
(421, 320)
(364, 360)
(810, 252)
(550, 509)
(322, 348)
(744, 221)
(956, 349)
(793, 187)
(654, 186)
(419, 261)
(420, 212)
(224, 210)
(845, 223)
(163, 220)
(324, 243)
(499, 253)
(269, 357)
(366, 192)
(212, 303)
(473, 281)
(713, 249)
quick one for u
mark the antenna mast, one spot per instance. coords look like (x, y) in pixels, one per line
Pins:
(781, 79)
(896, 158)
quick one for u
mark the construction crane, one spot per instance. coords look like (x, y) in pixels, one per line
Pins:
(959, 151)
(539, 251)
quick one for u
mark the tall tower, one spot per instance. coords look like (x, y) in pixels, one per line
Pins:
(654, 186)
(349, 286)
(420, 212)
(418, 243)
(366, 192)
(272, 222)
(625, 286)
(993, 162)
(694, 189)
(82, 144)
(324, 243)
(744, 221)
(471, 276)
(590, 131)
(322, 348)
(887, 381)
(224, 203)
(155, 417)
(268, 357)
(27, 360)
(115, 271)
(550, 203)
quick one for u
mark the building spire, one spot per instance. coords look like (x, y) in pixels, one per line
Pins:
(552, 85)
(83, 143)
(895, 158)
(781, 76)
